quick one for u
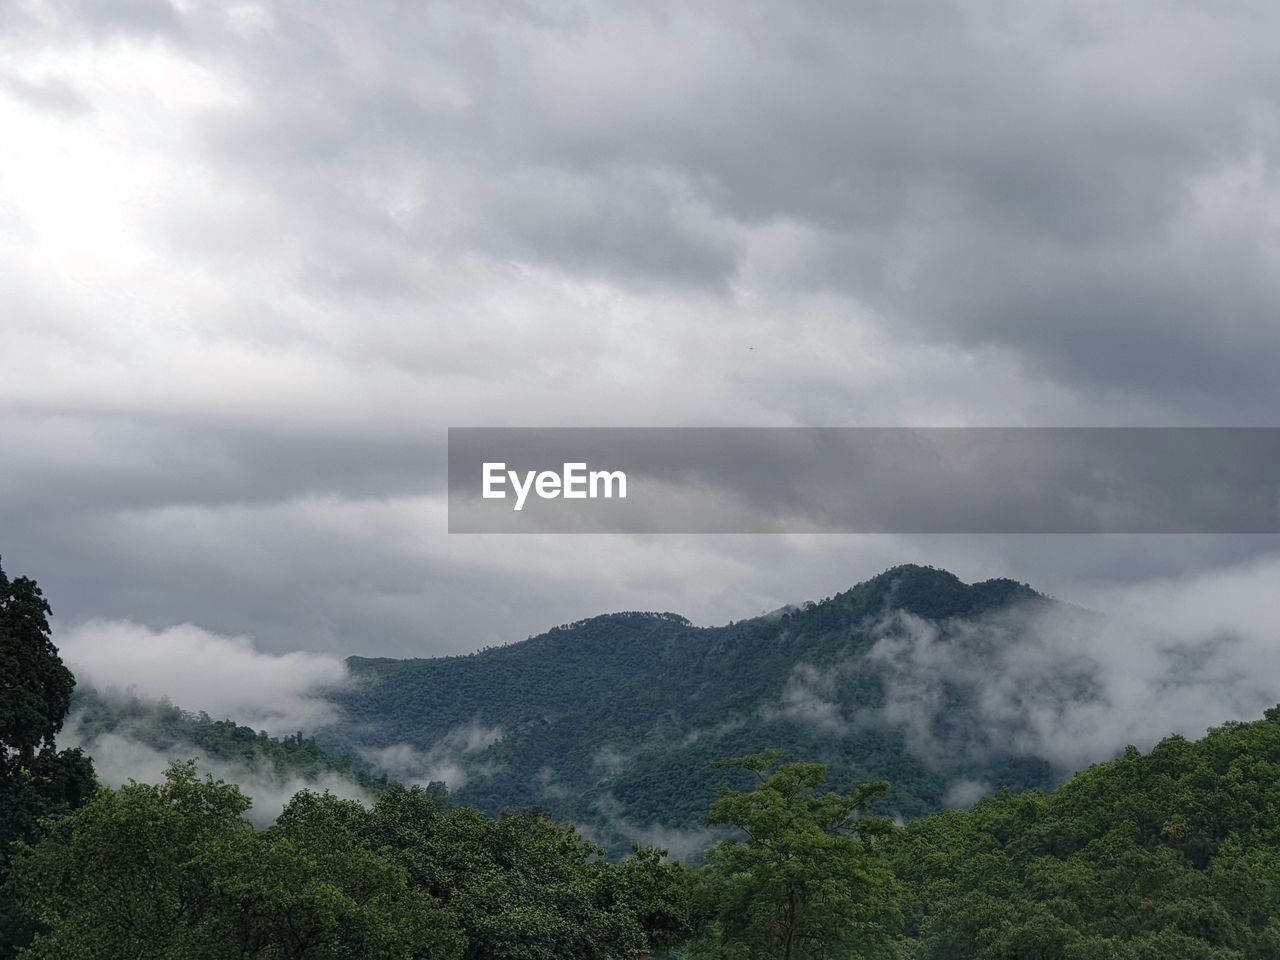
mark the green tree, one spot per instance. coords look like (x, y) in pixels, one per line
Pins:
(36, 780)
(1172, 853)
(521, 886)
(35, 685)
(175, 871)
(660, 894)
(806, 878)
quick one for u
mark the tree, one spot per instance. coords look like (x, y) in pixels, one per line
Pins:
(521, 886)
(1173, 853)
(659, 893)
(175, 871)
(35, 685)
(807, 878)
(36, 780)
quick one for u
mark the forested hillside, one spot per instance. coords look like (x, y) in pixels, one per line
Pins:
(1170, 853)
(1173, 853)
(620, 716)
(101, 721)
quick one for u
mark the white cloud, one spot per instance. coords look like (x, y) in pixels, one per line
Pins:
(965, 793)
(807, 700)
(450, 760)
(226, 677)
(120, 756)
(1171, 656)
(612, 829)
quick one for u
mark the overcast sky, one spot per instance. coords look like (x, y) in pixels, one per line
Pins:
(255, 258)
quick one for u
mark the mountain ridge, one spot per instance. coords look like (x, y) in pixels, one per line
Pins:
(884, 585)
(620, 716)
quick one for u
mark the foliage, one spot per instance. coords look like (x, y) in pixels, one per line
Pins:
(808, 878)
(1172, 853)
(520, 886)
(175, 871)
(35, 686)
(36, 780)
(1175, 853)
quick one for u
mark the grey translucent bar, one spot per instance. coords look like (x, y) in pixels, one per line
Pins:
(865, 480)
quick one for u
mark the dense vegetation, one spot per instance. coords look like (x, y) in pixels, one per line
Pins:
(805, 873)
(1173, 853)
(671, 699)
(36, 779)
(175, 871)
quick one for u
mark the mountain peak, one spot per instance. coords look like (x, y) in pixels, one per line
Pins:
(934, 593)
(629, 710)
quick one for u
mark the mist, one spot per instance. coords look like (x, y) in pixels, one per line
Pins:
(226, 677)
(1173, 656)
(120, 757)
(451, 760)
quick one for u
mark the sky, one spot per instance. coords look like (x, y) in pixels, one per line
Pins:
(256, 258)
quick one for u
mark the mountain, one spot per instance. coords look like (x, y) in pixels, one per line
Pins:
(615, 721)
(1170, 853)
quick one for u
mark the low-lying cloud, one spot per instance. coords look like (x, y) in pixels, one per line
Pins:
(611, 828)
(1058, 682)
(122, 755)
(451, 760)
(808, 699)
(226, 677)
(1172, 656)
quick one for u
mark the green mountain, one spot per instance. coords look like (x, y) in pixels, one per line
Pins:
(615, 721)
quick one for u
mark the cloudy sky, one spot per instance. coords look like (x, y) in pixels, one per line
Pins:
(255, 259)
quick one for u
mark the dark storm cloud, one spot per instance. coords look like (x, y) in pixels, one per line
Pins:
(1088, 186)
(255, 257)
(144, 460)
